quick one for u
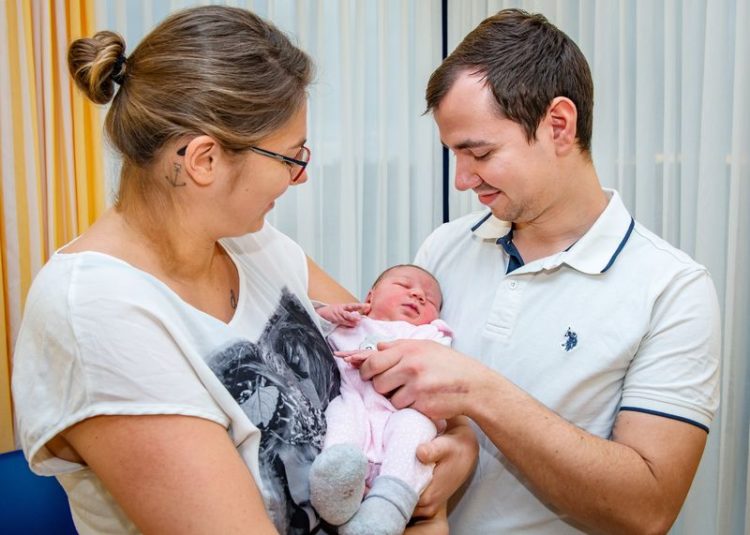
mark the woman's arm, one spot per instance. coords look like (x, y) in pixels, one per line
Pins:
(172, 474)
(321, 287)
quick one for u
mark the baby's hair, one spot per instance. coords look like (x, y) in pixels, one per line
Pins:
(423, 270)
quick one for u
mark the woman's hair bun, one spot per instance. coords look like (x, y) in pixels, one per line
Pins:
(96, 63)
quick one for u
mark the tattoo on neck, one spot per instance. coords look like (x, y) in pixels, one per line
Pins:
(173, 179)
(232, 299)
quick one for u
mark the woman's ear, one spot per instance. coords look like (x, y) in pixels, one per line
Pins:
(201, 158)
(563, 117)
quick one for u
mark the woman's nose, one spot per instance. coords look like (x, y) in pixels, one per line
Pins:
(301, 179)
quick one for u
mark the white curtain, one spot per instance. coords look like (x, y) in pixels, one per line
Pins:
(374, 191)
(672, 134)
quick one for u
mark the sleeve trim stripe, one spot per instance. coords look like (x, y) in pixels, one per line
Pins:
(666, 415)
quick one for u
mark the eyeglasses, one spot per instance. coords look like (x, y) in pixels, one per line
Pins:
(296, 165)
(300, 160)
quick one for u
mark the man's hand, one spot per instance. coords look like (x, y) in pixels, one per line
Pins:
(426, 376)
(354, 358)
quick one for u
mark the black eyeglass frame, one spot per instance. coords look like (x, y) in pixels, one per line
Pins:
(276, 156)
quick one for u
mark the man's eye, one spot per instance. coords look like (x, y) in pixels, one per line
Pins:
(480, 157)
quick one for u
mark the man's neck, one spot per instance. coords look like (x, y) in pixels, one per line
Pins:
(563, 223)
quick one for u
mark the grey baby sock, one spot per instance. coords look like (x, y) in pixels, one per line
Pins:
(337, 482)
(385, 511)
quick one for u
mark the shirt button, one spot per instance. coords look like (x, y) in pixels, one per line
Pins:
(512, 285)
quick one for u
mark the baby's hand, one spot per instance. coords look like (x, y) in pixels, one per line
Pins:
(346, 315)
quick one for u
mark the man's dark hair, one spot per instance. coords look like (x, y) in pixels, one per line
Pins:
(527, 62)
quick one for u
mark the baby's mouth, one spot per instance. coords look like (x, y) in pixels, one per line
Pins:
(413, 307)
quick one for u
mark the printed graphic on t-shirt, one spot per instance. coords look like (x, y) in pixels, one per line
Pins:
(284, 382)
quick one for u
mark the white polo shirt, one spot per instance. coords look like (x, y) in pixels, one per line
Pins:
(621, 320)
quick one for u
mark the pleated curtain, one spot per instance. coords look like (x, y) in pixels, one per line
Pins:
(671, 133)
(50, 156)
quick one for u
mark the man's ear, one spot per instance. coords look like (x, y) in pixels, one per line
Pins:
(200, 159)
(563, 117)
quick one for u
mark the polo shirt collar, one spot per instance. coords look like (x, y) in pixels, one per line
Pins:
(490, 227)
(595, 252)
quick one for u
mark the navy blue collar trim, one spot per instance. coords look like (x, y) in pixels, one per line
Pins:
(665, 415)
(515, 260)
(479, 223)
(619, 247)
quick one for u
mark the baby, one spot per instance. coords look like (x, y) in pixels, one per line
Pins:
(369, 442)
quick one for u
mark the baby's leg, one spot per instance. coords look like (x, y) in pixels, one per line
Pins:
(406, 429)
(346, 421)
(337, 476)
(395, 492)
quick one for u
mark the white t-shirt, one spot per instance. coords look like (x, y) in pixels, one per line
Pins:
(100, 337)
(619, 321)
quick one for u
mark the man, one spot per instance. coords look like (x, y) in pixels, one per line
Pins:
(586, 347)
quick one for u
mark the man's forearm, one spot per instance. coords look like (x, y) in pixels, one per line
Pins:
(603, 484)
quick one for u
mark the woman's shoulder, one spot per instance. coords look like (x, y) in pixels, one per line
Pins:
(96, 270)
(65, 272)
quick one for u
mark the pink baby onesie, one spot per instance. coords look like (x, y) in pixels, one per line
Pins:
(387, 436)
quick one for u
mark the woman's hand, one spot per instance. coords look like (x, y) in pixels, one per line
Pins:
(454, 454)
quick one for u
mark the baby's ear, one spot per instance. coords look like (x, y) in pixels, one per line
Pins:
(368, 299)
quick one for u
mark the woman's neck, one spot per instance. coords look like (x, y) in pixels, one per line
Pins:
(175, 247)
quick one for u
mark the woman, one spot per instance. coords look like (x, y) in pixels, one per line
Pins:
(168, 369)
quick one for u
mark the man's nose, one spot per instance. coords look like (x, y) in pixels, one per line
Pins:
(466, 177)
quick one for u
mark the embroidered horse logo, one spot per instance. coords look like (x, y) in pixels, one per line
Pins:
(571, 340)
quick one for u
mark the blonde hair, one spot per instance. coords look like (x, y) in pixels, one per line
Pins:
(214, 70)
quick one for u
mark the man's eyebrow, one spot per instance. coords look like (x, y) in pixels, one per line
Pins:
(470, 144)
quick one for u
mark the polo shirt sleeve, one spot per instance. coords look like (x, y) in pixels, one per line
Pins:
(675, 372)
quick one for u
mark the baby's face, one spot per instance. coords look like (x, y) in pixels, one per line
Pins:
(406, 294)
